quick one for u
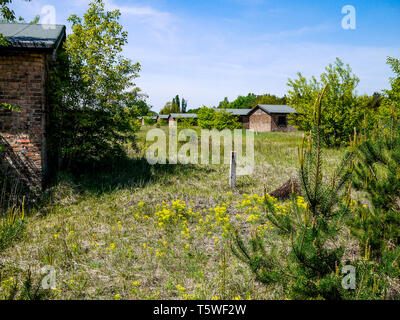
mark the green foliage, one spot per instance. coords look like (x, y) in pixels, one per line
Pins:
(343, 110)
(8, 15)
(392, 95)
(250, 101)
(29, 289)
(241, 102)
(312, 225)
(94, 101)
(170, 108)
(175, 106)
(377, 173)
(149, 121)
(270, 99)
(263, 263)
(209, 118)
(188, 123)
(206, 117)
(12, 226)
(225, 120)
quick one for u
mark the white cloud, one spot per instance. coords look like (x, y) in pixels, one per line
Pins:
(157, 19)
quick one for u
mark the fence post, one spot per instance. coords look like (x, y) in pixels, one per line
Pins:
(232, 175)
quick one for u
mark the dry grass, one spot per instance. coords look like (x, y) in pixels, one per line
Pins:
(102, 235)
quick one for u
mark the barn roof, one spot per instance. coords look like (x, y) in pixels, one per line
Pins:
(269, 108)
(183, 115)
(33, 36)
(236, 112)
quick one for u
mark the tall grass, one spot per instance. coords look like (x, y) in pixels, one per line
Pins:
(12, 210)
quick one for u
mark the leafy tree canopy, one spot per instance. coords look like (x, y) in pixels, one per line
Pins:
(250, 101)
(343, 109)
(94, 99)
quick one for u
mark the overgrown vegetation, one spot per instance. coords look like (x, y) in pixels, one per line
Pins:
(95, 103)
(209, 118)
(136, 231)
(343, 109)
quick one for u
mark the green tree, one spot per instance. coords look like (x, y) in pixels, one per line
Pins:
(92, 90)
(184, 105)
(6, 15)
(225, 120)
(170, 107)
(242, 102)
(269, 99)
(224, 103)
(343, 110)
(312, 225)
(392, 96)
(377, 173)
(206, 117)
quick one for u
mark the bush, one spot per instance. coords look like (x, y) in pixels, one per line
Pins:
(148, 121)
(343, 110)
(188, 123)
(211, 119)
(376, 224)
(311, 269)
(12, 226)
(206, 118)
(94, 102)
(225, 120)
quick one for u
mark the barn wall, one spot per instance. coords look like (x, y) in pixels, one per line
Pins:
(22, 84)
(275, 122)
(260, 121)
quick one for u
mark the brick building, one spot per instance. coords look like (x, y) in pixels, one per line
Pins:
(23, 71)
(267, 118)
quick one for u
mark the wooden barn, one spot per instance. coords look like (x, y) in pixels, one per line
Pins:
(267, 118)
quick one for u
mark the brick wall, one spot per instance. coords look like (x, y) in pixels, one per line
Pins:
(260, 121)
(22, 84)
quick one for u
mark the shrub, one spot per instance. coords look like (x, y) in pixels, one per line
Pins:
(225, 120)
(12, 226)
(188, 123)
(211, 119)
(310, 224)
(343, 109)
(377, 174)
(91, 92)
(206, 118)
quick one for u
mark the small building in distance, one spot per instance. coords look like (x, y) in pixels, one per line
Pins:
(24, 66)
(163, 117)
(174, 118)
(267, 118)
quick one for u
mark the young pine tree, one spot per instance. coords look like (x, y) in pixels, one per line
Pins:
(311, 225)
(377, 173)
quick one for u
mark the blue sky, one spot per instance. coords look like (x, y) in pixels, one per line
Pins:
(205, 50)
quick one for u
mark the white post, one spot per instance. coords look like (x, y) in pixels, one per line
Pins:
(232, 176)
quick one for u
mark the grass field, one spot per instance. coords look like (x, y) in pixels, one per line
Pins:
(137, 231)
